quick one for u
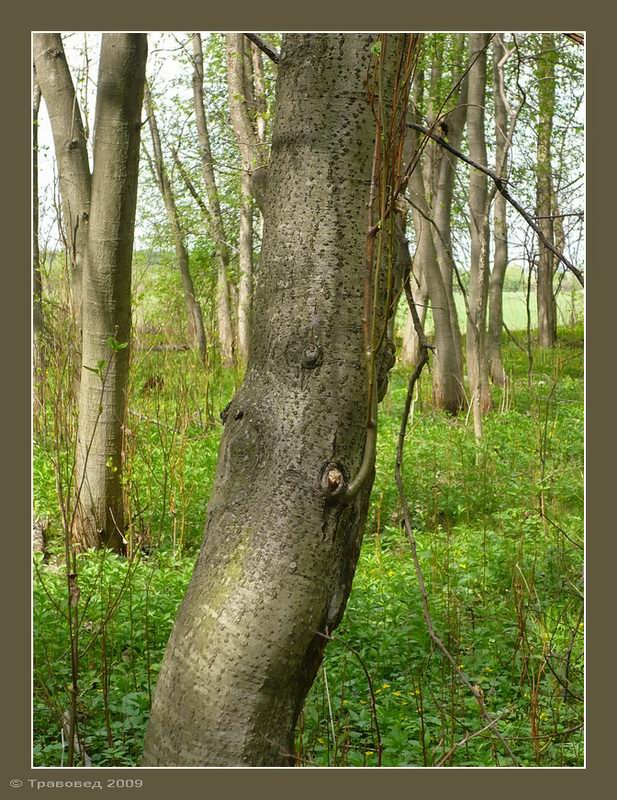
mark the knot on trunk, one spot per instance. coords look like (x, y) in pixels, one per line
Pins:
(333, 481)
(312, 356)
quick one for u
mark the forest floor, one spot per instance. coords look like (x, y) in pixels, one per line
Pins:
(499, 529)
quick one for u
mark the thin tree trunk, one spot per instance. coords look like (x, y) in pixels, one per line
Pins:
(215, 217)
(247, 107)
(37, 283)
(70, 146)
(280, 549)
(448, 391)
(194, 314)
(411, 346)
(245, 286)
(500, 231)
(547, 307)
(252, 151)
(442, 206)
(477, 364)
(107, 290)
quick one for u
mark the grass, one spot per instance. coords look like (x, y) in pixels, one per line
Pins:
(499, 533)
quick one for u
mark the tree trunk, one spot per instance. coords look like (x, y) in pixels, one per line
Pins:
(70, 146)
(477, 364)
(547, 307)
(37, 283)
(215, 217)
(245, 287)
(448, 392)
(500, 231)
(442, 205)
(410, 345)
(107, 290)
(197, 332)
(282, 534)
(252, 151)
(247, 108)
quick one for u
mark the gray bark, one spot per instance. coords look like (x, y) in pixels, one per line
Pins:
(410, 345)
(70, 146)
(245, 258)
(252, 151)
(448, 392)
(442, 206)
(477, 364)
(197, 332)
(500, 229)
(107, 290)
(282, 534)
(447, 382)
(37, 283)
(247, 106)
(215, 216)
(547, 306)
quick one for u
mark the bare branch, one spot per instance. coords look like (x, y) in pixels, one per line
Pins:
(500, 184)
(270, 51)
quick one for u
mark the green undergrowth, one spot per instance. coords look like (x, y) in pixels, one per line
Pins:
(499, 529)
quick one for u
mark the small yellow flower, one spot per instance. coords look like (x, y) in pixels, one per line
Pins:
(417, 692)
(397, 694)
(386, 685)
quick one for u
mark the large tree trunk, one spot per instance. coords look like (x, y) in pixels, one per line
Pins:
(107, 290)
(547, 307)
(215, 216)
(282, 534)
(70, 146)
(197, 332)
(500, 231)
(477, 364)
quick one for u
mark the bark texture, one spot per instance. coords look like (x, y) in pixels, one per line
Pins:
(447, 378)
(70, 146)
(500, 227)
(245, 259)
(214, 215)
(247, 107)
(547, 306)
(477, 364)
(197, 333)
(279, 552)
(445, 166)
(107, 289)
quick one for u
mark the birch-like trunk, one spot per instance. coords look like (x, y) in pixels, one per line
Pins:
(279, 552)
(477, 363)
(547, 306)
(215, 216)
(70, 147)
(107, 290)
(500, 229)
(197, 332)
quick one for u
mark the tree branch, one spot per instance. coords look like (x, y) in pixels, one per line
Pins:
(270, 51)
(500, 184)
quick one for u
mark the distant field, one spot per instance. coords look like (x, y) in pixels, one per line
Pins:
(569, 308)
